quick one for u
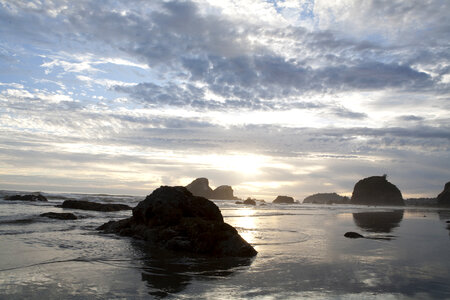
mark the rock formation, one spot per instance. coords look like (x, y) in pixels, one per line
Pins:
(284, 199)
(223, 192)
(443, 198)
(59, 216)
(249, 202)
(200, 187)
(87, 205)
(376, 190)
(353, 235)
(326, 198)
(172, 218)
(30, 197)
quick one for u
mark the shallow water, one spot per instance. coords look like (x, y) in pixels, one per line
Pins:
(302, 253)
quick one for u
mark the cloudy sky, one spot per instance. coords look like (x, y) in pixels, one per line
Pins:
(272, 97)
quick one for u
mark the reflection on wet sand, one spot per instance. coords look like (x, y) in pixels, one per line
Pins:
(168, 273)
(382, 222)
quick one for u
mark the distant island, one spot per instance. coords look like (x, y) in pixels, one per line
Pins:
(326, 198)
(200, 187)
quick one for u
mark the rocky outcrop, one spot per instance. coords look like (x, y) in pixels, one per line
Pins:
(376, 190)
(250, 202)
(87, 205)
(59, 216)
(30, 197)
(172, 218)
(200, 187)
(443, 198)
(326, 198)
(223, 192)
(283, 199)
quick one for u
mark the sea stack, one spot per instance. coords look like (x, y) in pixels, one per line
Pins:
(172, 218)
(443, 198)
(376, 190)
(284, 199)
(200, 187)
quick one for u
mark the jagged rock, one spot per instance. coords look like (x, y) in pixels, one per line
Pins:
(200, 187)
(443, 198)
(326, 198)
(223, 192)
(59, 216)
(353, 235)
(172, 218)
(250, 202)
(283, 199)
(30, 197)
(87, 205)
(376, 190)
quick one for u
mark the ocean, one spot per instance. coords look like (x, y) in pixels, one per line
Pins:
(302, 253)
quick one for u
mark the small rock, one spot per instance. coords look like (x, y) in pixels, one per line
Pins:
(353, 235)
(59, 216)
(250, 202)
(284, 199)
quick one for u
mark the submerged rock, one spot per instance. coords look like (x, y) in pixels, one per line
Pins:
(30, 197)
(444, 197)
(59, 216)
(172, 218)
(87, 205)
(353, 235)
(283, 199)
(376, 190)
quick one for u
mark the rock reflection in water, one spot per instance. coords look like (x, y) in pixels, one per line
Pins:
(168, 273)
(382, 222)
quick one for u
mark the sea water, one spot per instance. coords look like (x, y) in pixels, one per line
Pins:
(302, 253)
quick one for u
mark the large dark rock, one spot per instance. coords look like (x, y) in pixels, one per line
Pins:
(87, 205)
(284, 199)
(223, 192)
(326, 198)
(172, 218)
(200, 187)
(376, 190)
(30, 197)
(59, 216)
(443, 198)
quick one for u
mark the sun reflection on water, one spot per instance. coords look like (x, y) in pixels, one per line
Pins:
(245, 224)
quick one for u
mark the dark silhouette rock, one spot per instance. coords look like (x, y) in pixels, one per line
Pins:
(326, 198)
(284, 199)
(443, 198)
(87, 205)
(376, 190)
(250, 202)
(200, 187)
(59, 216)
(223, 192)
(353, 235)
(29, 197)
(383, 221)
(238, 202)
(172, 218)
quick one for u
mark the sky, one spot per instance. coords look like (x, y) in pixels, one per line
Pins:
(290, 97)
